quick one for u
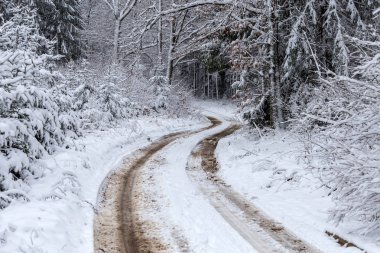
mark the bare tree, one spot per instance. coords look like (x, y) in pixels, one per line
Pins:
(120, 10)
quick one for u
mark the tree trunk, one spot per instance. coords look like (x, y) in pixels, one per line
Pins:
(272, 81)
(222, 86)
(279, 105)
(116, 36)
(159, 39)
(194, 79)
(169, 71)
(216, 85)
(275, 91)
(208, 87)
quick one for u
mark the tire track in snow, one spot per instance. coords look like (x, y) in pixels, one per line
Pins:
(263, 233)
(116, 227)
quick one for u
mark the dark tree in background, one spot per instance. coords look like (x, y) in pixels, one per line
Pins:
(61, 21)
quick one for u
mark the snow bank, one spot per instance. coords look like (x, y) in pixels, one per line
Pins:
(270, 172)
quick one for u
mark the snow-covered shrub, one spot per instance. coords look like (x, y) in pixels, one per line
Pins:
(30, 120)
(343, 119)
(102, 97)
(172, 99)
(99, 96)
(114, 96)
(68, 119)
(159, 86)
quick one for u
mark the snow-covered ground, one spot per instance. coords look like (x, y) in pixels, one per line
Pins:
(59, 215)
(269, 171)
(220, 108)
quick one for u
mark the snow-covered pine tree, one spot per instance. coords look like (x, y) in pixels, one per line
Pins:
(3, 11)
(341, 109)
(319, 44)
(30, 124)
(101, 97)
(61, 21)
(112, 96)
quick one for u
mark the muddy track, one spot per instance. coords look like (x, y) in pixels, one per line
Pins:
(116, 227)
(263, 233)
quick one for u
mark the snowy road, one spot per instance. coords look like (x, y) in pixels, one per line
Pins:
(115, 230)
(260, 231)
(166, 198)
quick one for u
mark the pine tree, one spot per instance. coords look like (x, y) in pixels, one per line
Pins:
(61, 21)
(30, 120)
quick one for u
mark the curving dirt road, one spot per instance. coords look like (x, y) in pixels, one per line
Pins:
(118, 227)
(263, 233)
(115, 226)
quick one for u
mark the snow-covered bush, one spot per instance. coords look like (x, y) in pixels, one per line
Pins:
(30, 120)
(343, 119)
(336, 102)
(99, 97)
(114, 96)
(159, 86)
(171, 99)
(102, 97)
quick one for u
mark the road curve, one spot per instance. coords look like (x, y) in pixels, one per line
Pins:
(118, 229)
(115, 228)
(264, 234)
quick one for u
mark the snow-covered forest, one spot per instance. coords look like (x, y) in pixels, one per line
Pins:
(85, 82)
